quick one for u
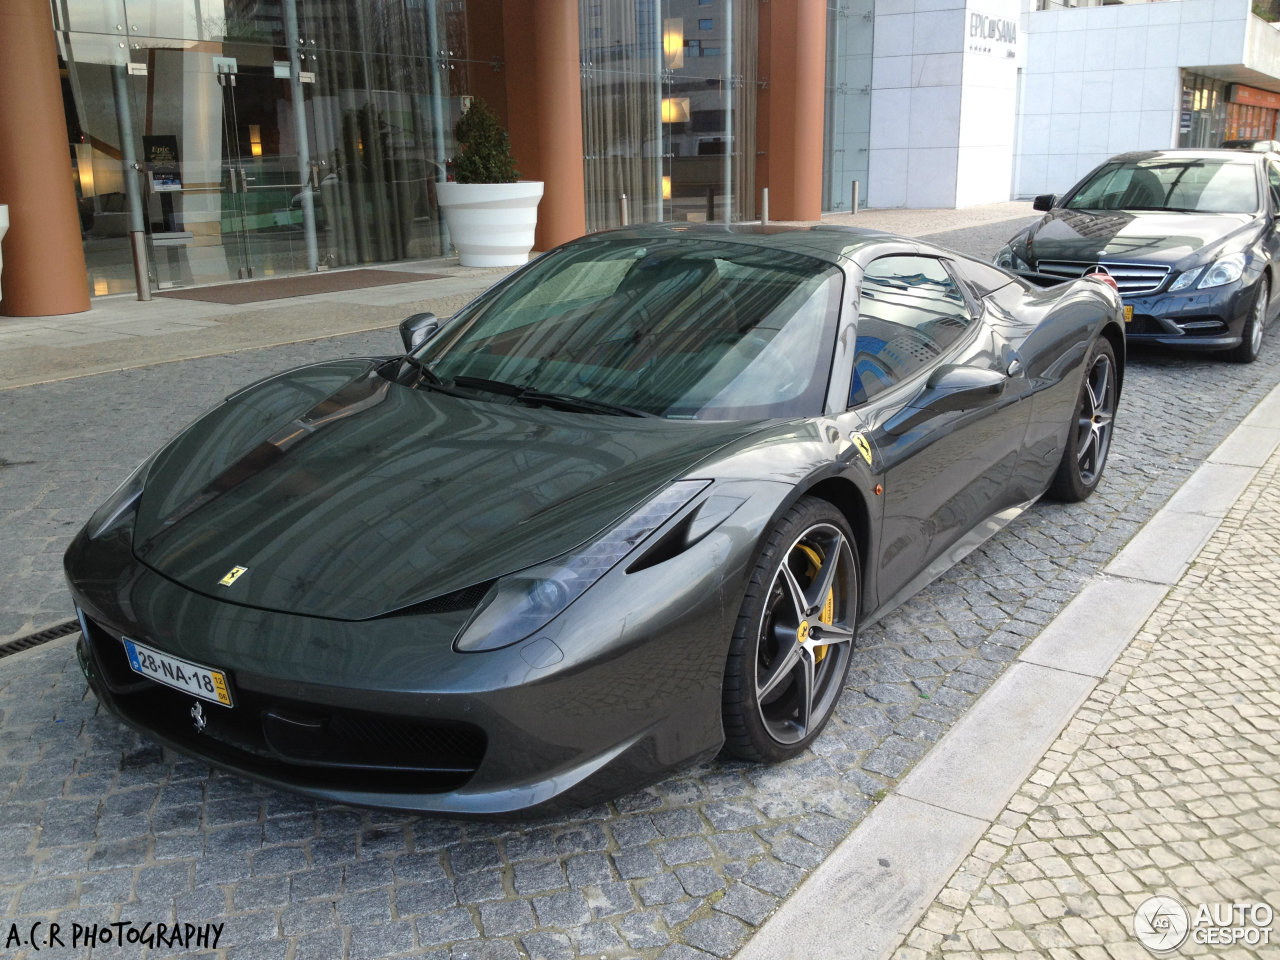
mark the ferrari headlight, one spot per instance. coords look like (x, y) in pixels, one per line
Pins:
(1225, 270)
(118, 507)
(522, 603)
(1009, 260)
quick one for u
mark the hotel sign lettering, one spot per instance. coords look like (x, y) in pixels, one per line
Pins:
(993, 36)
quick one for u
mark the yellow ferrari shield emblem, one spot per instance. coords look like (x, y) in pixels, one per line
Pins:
(232, 576)
(864, 447)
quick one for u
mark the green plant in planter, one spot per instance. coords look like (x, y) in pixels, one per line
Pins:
(484, 149)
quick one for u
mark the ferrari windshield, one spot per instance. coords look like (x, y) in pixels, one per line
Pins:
(673, 327)
(1188, 186)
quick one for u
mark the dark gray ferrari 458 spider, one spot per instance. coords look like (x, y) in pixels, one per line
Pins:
(623, 511)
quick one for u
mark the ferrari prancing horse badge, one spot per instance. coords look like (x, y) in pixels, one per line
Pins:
(234, 574)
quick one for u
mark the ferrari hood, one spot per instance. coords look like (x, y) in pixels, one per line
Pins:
(1157, 237)
(352, 496)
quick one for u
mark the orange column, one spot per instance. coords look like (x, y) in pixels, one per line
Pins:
(544, 107)
(44, 271)
(795, 65)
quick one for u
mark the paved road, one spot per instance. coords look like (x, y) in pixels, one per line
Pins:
(96, 824)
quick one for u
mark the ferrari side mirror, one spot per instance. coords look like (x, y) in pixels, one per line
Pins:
(417, 329)
(950, 388)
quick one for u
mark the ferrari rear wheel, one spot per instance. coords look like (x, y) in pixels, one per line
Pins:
(1089, 437)
(794, 637)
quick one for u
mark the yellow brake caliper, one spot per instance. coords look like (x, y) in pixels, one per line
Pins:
(829, 607)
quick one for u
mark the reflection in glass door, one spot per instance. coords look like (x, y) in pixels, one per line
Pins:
(253, 139)
(234, 221)
(669, 109)
(267, 219)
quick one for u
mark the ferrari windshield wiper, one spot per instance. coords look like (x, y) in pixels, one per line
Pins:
(570, 402)
(564, 400)
(492, 386)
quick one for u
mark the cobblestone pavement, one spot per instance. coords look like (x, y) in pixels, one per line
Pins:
(97, 824)
(1166, 783)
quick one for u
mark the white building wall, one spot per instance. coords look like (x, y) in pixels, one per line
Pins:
(942, 115)
(1102, 80)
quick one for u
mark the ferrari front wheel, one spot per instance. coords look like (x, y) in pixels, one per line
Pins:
(1089, 435)
(794, 636)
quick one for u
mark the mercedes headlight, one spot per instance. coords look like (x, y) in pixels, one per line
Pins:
(118, 508)
(1224, 270)
(523, 603)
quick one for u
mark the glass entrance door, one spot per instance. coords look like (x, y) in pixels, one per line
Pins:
(226, 193)
(268, 220)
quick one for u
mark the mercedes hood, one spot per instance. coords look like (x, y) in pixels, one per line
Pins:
(1163, 237)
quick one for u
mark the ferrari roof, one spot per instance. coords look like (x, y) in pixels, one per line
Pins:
(1189, 153)
(827, 241)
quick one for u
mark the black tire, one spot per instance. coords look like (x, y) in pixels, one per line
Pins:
(1251, 335)
(781, 685)
(1084, 456)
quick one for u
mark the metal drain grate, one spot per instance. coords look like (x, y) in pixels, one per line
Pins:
(35, 639)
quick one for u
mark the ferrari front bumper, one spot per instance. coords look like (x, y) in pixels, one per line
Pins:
(385, 713)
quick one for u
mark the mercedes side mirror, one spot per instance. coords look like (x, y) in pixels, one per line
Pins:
(418, 329)
(1044, 201)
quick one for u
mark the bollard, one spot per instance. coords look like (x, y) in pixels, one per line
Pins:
(764, 206)
(854, 208)
(711, 204)
(140, 271)
(624, 215)
(4, 228)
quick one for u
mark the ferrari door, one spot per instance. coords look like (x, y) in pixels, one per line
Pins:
(942, 414)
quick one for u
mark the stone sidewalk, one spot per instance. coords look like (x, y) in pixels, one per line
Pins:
(1166, 783)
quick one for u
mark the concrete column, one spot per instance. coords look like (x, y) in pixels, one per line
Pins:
(544, 110)
(793, 58)
(44, 270)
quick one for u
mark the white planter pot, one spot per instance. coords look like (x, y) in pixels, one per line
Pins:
(491, 224)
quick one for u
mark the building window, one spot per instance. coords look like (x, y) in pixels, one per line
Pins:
(639, 114)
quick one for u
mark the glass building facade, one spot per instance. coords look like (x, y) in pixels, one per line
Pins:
(254, 138)
(669, 109)
(847, 126)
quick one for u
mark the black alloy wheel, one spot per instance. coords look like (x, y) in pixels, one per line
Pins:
(794, 638)
(1251, 334)
(1089, 437)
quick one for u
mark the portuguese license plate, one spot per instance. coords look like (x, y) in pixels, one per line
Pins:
(202, 682)
(1128, 312)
